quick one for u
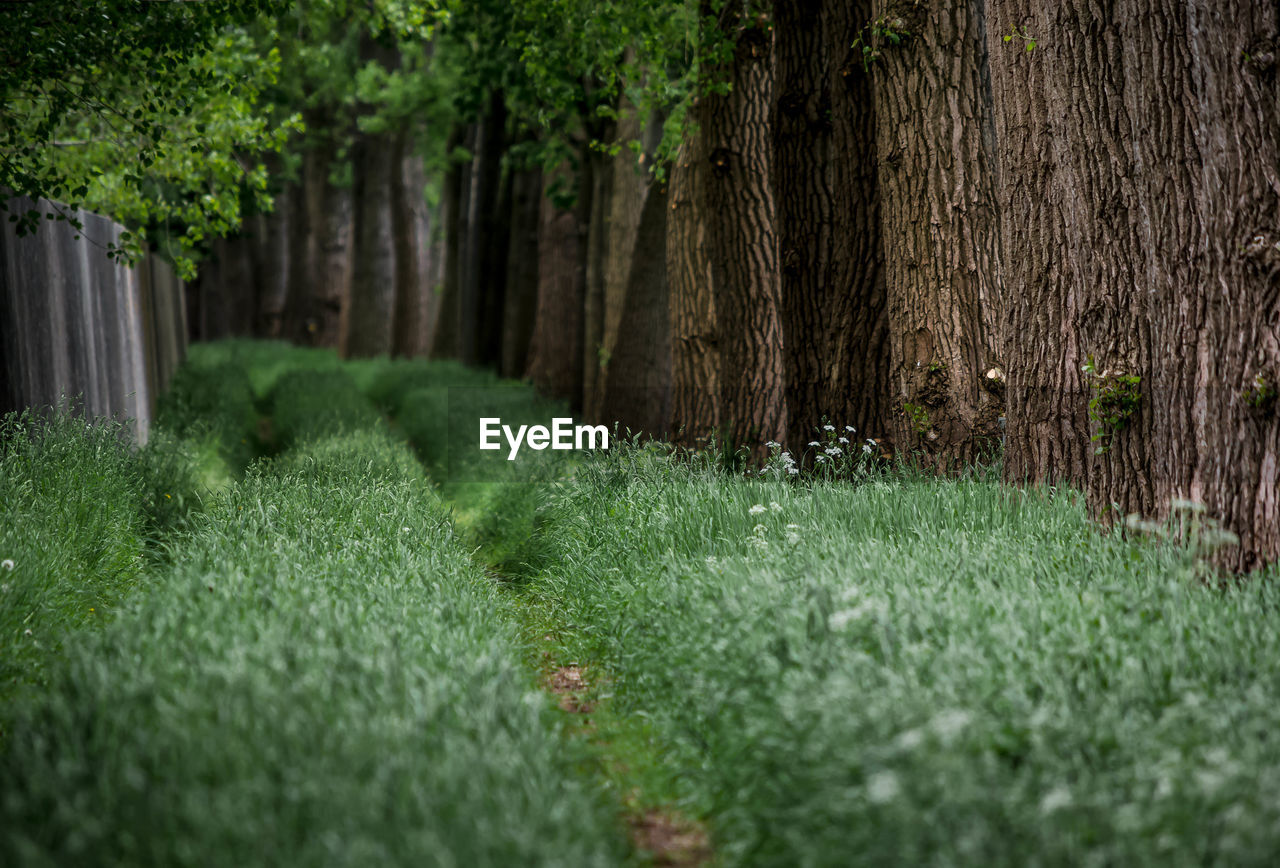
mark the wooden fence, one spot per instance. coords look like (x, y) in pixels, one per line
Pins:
(75, 326)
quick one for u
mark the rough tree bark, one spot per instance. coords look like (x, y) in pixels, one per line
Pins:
(555, 348)
(1235, 410)
(939, 228)
(695, 352)
(830, 269)
(637, 390)
(1069, 211)
(1139, 146)
(735, 202)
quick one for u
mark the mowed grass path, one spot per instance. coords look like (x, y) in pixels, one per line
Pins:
(312, 667)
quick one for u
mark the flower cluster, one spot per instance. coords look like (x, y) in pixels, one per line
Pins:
(759, 539)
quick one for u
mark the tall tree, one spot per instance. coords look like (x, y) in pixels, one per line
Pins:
(522, 272)
(735, 202)
(637, 391)
(373, 282)
(555, 347)
(411, 221)
(1138, 150)
(939, 228)
(825, 189)
(695, 353)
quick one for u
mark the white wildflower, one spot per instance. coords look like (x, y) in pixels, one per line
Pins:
(760, 529)
(866, 450)
(844, 440)
(949, 724)
(828, 427)
(772, 445)
(1055, 800)
(794, 471)
(404, 530)
(793, 527)
(850, 429)
(833, 451)
(822, 459)
(759, 543)
(7, 563)
(26, 632)
(814, 443)
(757, 509)
(793, 538)
(775, 506)
(883, 787)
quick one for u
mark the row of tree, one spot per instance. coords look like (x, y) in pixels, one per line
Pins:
(945, 224)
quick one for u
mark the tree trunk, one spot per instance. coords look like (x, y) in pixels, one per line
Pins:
(291, 255)
(802, 179)
(1070, 212)
(939, 230)
(468, 247)
(1139, 148)
(637, 391)
(411, 229)
(695, 351)
(335, 264)
(1233, 334)
(630, 184)
(555, 348)
(830, 268)
(522, 272)
(315, 261)
(494, 203)
(735, 199)
(270, 257)
(850, 316)
(445, 343)
(373, 284)
(601, 193)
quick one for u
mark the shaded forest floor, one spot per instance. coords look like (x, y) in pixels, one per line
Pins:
(309, 622)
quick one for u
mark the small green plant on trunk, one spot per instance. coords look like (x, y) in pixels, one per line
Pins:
(1116, 398)
(1260, 395)
(919, 417)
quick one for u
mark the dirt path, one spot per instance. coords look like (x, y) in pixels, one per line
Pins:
(665, 836)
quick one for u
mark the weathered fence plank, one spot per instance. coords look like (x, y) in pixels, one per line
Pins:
(76, 326)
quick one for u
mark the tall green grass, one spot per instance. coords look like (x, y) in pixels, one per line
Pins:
(72, 535)
(322, 677)
(919, 672)
(887, 670)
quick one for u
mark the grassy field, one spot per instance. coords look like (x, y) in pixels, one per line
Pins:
(320, 622)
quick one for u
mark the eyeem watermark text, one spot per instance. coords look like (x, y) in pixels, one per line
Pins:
(562, 435)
